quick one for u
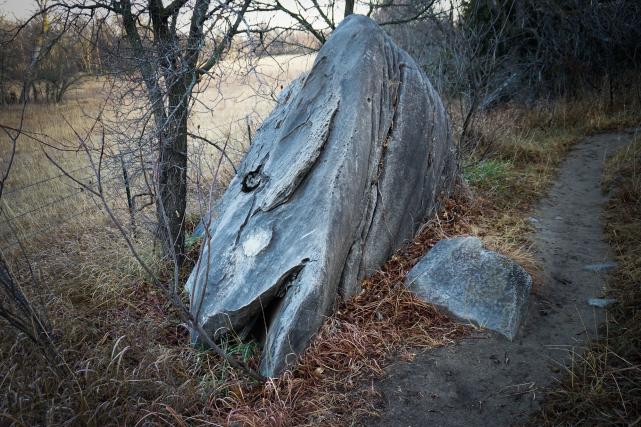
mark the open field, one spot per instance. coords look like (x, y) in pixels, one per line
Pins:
(39, 197)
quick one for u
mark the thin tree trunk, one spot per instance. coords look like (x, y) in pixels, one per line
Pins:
(349, 7)
(3, 95)
(34, 88)
(171, 126)
(172, 174)
(131, 202)
(24, 92)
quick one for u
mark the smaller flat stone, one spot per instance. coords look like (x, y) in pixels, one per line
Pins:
(473, 284)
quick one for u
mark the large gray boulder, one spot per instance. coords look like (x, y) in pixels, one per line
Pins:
(473, 284)
(350, 162)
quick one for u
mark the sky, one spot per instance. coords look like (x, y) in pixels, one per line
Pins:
(17, 8)
(23, 8)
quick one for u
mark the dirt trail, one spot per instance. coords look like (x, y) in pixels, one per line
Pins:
(489, 381)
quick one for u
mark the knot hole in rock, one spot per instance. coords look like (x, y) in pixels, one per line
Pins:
(252, 180)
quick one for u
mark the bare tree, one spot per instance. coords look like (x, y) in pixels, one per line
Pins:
(169, 61)
(319, 18)
(470, 66)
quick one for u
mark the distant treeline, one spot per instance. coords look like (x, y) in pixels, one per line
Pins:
(483, 50)
(42, 58)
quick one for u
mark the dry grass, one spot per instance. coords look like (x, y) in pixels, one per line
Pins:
(330, 385)
(128, 360)
(124, 352)
(36, 193)
(603, 385)
(38, 196)
(126, 356)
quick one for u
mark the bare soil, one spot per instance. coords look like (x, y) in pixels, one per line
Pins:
(487, 380)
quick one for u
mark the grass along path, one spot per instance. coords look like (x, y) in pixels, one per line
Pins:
(603, 387)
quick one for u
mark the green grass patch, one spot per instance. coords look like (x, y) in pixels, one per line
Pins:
(489, 175)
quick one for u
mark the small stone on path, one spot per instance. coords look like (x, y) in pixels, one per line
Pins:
(604, 266)
(601, 302)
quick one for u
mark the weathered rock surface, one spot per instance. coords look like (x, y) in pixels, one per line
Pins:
(350, 162)
(473, 284)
